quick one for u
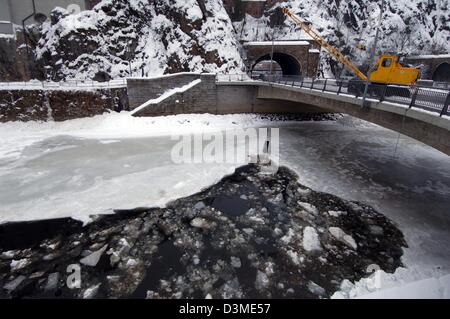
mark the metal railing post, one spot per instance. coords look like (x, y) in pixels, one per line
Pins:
(446, 104)
(414, 97)
(312, 83)
(325, 85)
(303, 79)
(383, 95)
(340, 87)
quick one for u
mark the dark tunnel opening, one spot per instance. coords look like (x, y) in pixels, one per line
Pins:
(289, 65)
(442, 73)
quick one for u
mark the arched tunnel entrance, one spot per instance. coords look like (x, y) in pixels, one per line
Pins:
(288, 64)
(442, 73)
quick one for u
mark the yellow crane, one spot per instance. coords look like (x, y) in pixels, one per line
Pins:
(387, 70)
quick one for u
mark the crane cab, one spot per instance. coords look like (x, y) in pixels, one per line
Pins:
(389, 70)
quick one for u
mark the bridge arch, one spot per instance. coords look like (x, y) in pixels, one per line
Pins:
(442, 72)
(288, 63)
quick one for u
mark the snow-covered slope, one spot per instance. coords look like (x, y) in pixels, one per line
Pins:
(119, 37)
(409, 27)
(147, 37)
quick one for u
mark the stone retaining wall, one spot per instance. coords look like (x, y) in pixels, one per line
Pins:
(140, 90)
(59, 105)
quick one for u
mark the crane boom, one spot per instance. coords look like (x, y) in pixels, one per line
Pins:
(332, 50)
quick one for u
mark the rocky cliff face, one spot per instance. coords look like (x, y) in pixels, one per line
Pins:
(139, 37)
(119, 38)
(409, 27)
(59, 105)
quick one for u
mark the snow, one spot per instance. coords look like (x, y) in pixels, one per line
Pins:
(311, 240)
(430, 56)
(431, 288)
(266, 43)
(167, 95)
(167, 76)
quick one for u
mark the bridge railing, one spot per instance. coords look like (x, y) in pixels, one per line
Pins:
(69, 84)
(426, 98)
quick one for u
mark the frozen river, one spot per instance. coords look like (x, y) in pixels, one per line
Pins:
(90, 166)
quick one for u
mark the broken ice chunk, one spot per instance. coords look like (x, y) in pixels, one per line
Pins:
(91, 292)
(316, 289)
(199, 206)
(262, 281)
(311, 240)
(304, 192)
(202, 224)
(19, 264)
(52, 281)
(236, 262)
(12, 285)
(341, 236)
(93, 259)
(376, 230)
(336, 214)
(309, 208)
(296, 259)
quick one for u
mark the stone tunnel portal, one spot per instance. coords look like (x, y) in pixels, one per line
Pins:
(288, 64)
(442, 73)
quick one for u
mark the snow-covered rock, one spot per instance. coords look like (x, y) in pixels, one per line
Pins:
(119, 38)
(409, 27)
